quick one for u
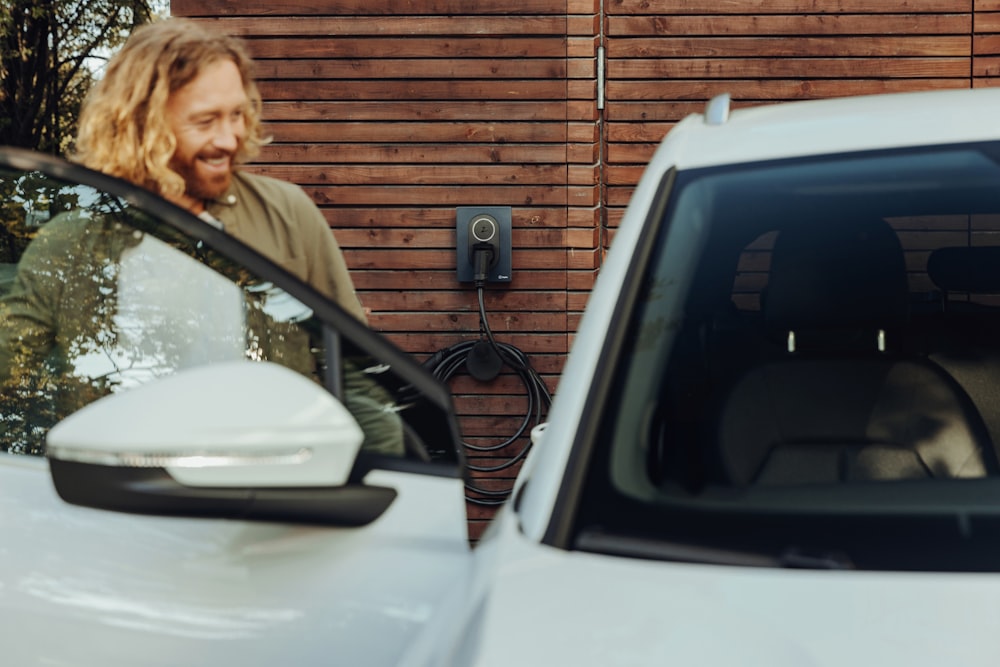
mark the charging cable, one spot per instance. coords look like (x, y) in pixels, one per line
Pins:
(483, 359)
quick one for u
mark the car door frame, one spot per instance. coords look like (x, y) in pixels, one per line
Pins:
(337, 323)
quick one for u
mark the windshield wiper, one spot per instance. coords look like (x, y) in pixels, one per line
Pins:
(796, 558)
(598, 541)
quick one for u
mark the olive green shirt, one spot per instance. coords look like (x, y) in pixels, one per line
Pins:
(279, 220)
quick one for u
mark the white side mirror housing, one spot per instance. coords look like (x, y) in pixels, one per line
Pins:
(237, 440)
(241, 423)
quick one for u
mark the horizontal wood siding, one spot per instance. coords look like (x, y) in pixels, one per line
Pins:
(665, 59)
(392, 114)
(986, 43)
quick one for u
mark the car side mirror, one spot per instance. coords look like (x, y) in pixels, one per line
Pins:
(250, 440)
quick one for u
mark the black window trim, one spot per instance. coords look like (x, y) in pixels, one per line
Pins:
(559, 532)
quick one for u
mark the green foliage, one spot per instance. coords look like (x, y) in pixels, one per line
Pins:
(50, 54)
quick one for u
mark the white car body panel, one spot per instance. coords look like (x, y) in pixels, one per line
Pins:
(838, 125)
(90, 587)
(553, 607)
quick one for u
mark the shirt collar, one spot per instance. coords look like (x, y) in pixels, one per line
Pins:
(227, 198)
(219, 207)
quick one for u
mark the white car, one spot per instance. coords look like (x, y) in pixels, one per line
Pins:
(205, 461)
(774, 442)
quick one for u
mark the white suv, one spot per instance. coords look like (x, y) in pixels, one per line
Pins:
(776, 439)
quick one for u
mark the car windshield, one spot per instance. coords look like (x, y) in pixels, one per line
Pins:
(810, 373)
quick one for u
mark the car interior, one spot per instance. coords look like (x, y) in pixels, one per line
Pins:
(839, 334)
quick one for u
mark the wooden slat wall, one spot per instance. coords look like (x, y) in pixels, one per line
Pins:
(665, 59)
(986, 43)
(391, 114)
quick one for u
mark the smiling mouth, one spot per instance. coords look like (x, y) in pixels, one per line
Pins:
(216, 162)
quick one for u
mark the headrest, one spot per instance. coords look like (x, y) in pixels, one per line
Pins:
(846, 276)
(965, 269)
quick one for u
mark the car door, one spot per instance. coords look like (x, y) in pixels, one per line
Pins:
(204, 461)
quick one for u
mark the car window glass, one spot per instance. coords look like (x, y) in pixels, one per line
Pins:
(816, 346)
(97, 297)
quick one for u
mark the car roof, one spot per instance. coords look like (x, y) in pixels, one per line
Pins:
(829, 126)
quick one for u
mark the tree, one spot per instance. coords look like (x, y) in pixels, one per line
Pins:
(50, 54)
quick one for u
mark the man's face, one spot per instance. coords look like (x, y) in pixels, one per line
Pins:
(208, 119)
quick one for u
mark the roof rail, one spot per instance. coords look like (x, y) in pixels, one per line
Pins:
(717, 109)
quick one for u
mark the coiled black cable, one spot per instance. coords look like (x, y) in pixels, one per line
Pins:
(445, 363)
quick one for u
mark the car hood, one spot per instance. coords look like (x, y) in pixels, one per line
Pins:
(551, 607)
(89, 587)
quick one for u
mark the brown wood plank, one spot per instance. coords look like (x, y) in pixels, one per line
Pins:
(458, 300)
(374, 279)
(630, 153)
(456, 46)
(402, 129)
(638, 132)
(784, 68)
(408, 237)
(423, 153)
(667, 110)
(776, 89)
(393, 8)
(846, 46)
(795, 25)
(501, 323)
(583, 6)
(514, 404)
(412, 110)
(438, 90)
(482, 175)
(403, 26)
(316, 69)
(583, 25)
(785, 6)
(535, 342)
(986, 66)
(522, 259)
(987, 22)
(437, 195)
(983, 45)
(623, 175)
(532, 219)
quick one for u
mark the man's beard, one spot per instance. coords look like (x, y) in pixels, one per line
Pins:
(199, 188)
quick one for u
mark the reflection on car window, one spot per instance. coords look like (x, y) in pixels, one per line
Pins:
(96, 297)
(815, 339)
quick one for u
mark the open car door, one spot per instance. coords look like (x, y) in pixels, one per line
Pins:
(205, 461)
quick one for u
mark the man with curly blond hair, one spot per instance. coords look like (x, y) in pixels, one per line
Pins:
(178, 112)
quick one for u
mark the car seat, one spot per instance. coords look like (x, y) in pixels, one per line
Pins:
(842, 400)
